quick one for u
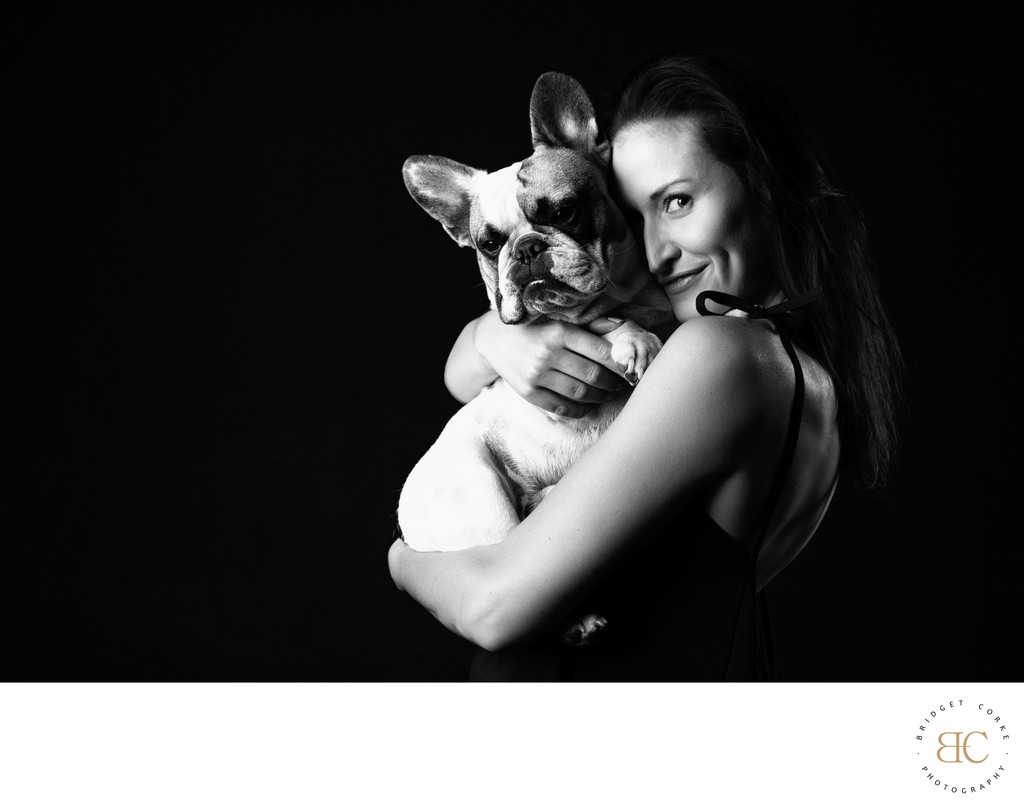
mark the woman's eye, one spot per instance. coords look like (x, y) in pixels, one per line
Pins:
(679, 202)
(563, 214)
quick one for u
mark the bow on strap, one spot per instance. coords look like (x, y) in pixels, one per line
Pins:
(754, 310)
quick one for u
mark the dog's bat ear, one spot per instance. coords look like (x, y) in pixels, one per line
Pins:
(443, 189)
(561, 114)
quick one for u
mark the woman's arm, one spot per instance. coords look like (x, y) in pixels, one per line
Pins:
(550, 364)
(466, 372)
(698, 412)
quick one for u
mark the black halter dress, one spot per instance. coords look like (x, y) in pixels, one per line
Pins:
(677, 610)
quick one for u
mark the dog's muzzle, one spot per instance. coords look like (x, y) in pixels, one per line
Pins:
(529, 260)
(528, 249)
(550, 296)
(548, 277)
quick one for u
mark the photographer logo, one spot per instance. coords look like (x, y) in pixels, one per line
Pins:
(963, 747)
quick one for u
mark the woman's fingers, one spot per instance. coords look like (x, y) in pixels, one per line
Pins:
(579, 375)
(604, 325)
(584, 379)
(566, 394)
(589, 359)
(547, 399)
(574, 388)
(557, 366)
(591, 346)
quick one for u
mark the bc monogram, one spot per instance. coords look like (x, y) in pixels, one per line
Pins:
(964, 745)
(961, 747)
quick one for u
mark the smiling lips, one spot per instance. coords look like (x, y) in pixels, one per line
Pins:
(683, 280)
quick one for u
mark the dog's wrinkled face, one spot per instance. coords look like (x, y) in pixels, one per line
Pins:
(542, 229)
(549, 239)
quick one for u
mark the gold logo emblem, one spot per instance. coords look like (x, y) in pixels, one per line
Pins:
(958, 732)
(961, 747)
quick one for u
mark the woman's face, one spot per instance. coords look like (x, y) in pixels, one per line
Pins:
(700, 230)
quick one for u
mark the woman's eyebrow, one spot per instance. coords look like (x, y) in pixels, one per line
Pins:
(668, 185)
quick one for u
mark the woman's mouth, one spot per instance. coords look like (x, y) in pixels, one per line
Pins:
(683, 281)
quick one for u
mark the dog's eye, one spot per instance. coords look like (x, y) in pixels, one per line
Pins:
(563, 214)
(490, 246)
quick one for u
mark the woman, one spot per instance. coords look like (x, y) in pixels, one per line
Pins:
(724, 461)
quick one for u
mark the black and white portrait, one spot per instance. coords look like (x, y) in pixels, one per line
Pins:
(232, 312)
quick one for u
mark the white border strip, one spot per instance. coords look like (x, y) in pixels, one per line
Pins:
(482, 745)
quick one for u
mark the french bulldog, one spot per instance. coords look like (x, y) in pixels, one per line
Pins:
(550, 243)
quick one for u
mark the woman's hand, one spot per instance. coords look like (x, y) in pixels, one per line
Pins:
(559, 367)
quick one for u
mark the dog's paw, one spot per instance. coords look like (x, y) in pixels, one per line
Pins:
(584, 631)
(633, 350)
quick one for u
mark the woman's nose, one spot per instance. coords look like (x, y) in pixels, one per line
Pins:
(661, 251)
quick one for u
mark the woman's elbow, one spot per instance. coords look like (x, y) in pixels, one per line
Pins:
(492, 637)
(477, 608)
(490, 623)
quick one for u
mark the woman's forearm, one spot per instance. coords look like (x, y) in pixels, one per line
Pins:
(466, 372)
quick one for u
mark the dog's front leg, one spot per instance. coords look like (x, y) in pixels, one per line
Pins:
(633, 349)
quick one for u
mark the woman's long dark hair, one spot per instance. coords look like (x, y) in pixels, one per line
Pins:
(818, 232)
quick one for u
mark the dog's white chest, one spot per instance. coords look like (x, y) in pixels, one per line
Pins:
(491, 464)
(534, 445)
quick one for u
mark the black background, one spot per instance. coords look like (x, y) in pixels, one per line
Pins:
(230, 323)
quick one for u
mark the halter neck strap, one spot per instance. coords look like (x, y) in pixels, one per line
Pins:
(780, 314)
(755, 311)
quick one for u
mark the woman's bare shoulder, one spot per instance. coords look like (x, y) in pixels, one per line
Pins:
(720, 375)
(734, 350)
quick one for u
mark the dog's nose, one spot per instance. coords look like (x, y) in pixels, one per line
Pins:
(528, 247)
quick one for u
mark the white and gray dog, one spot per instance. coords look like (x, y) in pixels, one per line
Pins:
(550, 243)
